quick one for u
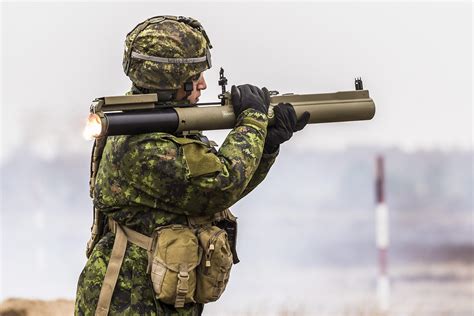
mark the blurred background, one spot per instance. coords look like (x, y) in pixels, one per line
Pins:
(307, 234)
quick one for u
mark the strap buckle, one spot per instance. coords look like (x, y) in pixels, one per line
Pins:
(182, 288)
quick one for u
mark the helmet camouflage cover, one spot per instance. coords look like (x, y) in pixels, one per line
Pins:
(164, 52)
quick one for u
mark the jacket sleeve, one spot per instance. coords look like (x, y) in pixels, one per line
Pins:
(186, 177)
(263, 168)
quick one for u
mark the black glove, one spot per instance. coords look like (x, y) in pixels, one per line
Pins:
(285, 125)
(249, 97)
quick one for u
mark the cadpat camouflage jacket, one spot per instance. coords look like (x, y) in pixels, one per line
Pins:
(156, 179)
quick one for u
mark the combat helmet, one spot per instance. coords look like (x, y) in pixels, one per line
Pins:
(165, 53)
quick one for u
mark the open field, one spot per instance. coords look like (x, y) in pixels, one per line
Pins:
(418, 289)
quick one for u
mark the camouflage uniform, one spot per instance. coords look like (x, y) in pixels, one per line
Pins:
(144, 181)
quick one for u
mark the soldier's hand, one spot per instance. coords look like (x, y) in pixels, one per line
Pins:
(286, 123)
(249, 97)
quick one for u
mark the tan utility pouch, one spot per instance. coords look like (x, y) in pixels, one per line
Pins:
(214, 271)
(175, 255)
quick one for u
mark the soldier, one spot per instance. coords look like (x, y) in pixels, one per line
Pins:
(152, 181)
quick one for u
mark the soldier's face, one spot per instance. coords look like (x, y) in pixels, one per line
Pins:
(198, 85)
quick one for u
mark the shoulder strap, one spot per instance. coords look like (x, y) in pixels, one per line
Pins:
(112, 273)
(122, 236)
(98, 222)
(97, 151)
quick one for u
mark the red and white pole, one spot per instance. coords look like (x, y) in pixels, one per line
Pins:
(382, 237)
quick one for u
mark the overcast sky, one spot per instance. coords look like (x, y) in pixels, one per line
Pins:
(415, 59)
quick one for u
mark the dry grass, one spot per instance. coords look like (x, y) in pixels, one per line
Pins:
(24, 307)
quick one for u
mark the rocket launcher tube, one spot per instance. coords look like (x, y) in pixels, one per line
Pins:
(141, 114)
(331, 107)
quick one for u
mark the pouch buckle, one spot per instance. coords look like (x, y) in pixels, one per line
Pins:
(182, 288)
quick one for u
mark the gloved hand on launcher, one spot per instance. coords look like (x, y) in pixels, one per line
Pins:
(286, 123)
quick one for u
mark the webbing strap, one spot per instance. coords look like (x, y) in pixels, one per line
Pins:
(97, 224)
(142, 241)
(204, 219)
(208, 219)
(111, 275)
(122, 235)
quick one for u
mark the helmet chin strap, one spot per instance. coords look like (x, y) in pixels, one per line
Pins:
(188, 88)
